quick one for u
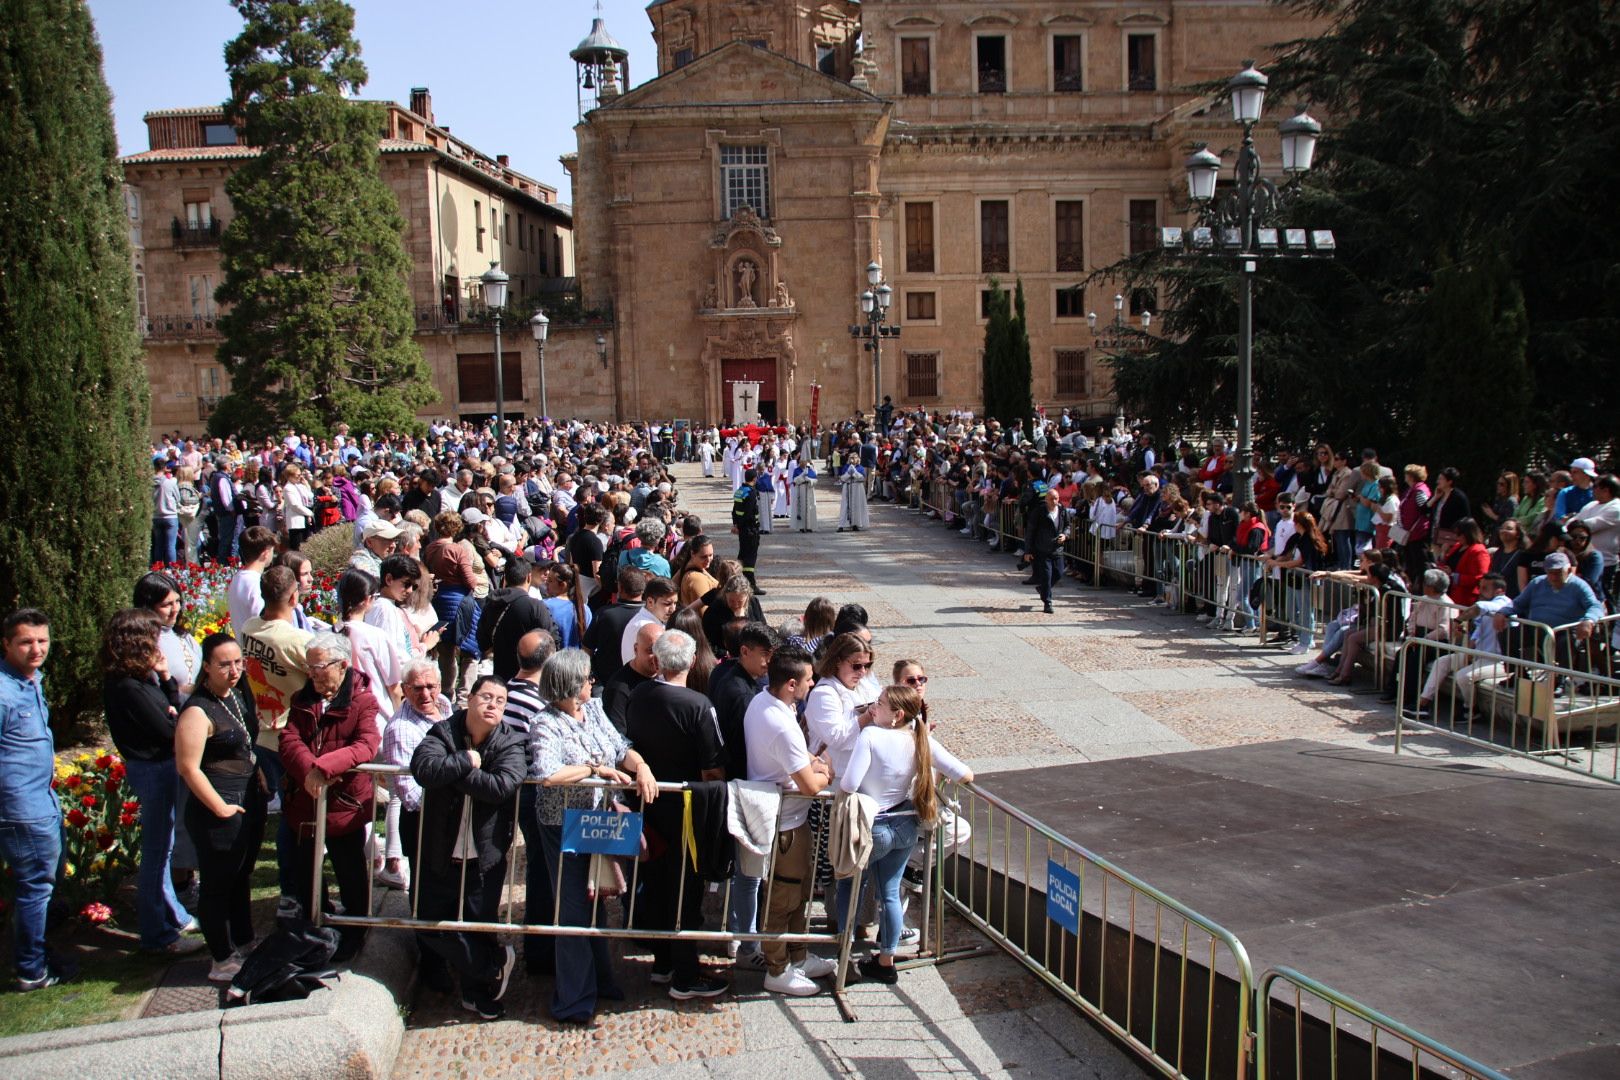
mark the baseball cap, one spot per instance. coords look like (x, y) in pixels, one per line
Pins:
(1585, 465)
(1556, 560)
(386, 530)
(473, 517)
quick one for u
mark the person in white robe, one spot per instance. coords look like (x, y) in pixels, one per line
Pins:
(852, 511)
(804, 496)
(765, 492)
(782, 480)
(706, 455)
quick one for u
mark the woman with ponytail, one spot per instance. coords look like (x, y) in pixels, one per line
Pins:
(566, 602)
(894, 763)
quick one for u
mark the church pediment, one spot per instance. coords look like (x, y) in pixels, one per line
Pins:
(739, 74)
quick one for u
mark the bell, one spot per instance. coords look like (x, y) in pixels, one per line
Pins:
(589, 83)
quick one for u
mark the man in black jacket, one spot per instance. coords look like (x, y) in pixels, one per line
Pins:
(745, 524)
(470, 764)
(510, 613)
(734, 684)
(1220, 532)
(1044, 537)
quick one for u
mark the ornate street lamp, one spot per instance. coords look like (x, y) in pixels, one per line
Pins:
(875, 303)
(540, 324)
(494, 281)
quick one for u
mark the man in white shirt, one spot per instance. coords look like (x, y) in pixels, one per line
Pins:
(658, 603)
(1467, 671)
(1280, 534)
(777, 754)
(242, 598)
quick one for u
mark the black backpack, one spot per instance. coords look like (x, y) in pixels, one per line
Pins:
(289, 965)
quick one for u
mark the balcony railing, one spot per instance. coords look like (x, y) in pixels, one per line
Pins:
(199, 234)
(562, 310)
(992, 80)
(180, 327)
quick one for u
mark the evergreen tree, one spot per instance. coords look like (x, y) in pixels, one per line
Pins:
(318, 324)
(997, 333)
(1017, 394)
(74, 505)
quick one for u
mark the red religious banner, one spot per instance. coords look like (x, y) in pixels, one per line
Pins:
(815, 404)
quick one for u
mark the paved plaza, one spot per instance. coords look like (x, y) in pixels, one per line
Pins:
(1105, 677)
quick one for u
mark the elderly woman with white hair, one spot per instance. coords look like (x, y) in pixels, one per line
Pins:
(571, 740)
(332, 730)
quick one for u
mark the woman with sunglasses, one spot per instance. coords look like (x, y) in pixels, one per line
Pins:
(910, 673)
(834, 712)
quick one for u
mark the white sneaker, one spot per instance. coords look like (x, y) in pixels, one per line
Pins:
(752, 961)
(1300, 649)
(274, 805)
(393, 879)
(223, 971)
(731, 949)
(910, 935)
(817, 967)
(793, 983)
(1203, 620)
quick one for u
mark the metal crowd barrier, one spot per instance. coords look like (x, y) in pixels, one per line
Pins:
(1138, 962)
(599, 926)
(1389, 1048)
(1559, 716)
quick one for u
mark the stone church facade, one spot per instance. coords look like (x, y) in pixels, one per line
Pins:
(727, 209)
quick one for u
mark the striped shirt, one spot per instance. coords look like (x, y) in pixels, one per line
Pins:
(523, 703)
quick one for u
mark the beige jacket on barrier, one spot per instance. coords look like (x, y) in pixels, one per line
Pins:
(849, 836)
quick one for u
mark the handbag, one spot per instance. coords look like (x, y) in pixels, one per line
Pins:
(1397, 535)
(605, 878)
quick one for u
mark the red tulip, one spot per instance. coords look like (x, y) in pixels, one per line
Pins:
(127, 820)
(88, 801)
(76, 818)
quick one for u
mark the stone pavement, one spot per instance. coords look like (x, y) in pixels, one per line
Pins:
(1012, 688)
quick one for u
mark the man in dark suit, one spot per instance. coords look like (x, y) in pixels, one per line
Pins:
(1044, 538)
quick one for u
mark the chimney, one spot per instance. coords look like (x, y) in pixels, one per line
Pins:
(422, 103)
(503, 161)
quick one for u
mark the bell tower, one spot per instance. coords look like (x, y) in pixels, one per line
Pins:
(601, 66)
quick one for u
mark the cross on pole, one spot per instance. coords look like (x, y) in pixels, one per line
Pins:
(748, 400)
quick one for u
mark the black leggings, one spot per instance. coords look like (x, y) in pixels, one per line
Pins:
(352, 869)
(225, 879)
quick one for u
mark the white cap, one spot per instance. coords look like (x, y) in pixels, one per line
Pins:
(1585, 465)
(474, 517)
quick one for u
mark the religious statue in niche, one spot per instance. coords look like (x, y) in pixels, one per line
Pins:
(747, 275)
(711, 297)
(783, 300)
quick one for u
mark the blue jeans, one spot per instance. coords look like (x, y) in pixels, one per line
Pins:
(1302, 612)
(584, 965)
(158, 911)
(743, 918)
(1345, 542)
(1249, 572)
(275, 774)
(165, 539)
(32, 850)
(893, 837)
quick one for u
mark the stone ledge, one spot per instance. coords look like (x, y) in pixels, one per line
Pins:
(350, 1032)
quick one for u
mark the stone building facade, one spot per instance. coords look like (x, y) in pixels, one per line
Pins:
(727, 209)
(463, 210)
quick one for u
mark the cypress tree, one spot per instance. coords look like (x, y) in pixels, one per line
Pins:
(318, 325)
(1017, 394)
(74, 508)
(993, 370)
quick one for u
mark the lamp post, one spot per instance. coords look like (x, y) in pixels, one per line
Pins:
(540, 324)
(875, 303)
(494, 280)
(1240, 224)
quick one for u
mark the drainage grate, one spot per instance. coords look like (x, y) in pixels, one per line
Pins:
(185, 989)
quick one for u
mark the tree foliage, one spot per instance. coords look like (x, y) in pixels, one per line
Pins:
(318, 327)
(73, 486)
(1471, 315)
(1006, 368)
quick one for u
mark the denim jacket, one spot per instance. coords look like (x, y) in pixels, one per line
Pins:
(27, 750)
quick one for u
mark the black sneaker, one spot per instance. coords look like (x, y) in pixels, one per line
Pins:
(701, 988)
(26, 986)
(486, 1007)
(508, 962)
(879, 973)
(912, 878)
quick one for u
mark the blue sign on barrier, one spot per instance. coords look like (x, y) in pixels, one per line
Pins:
(601, 832)
(1063, 897)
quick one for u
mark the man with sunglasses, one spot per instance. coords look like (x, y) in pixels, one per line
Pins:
(400, 574)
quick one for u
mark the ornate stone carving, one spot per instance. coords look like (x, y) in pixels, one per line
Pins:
(783, 299)
(711, 297)
(747, 276)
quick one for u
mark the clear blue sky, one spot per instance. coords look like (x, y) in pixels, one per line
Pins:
(499, 69)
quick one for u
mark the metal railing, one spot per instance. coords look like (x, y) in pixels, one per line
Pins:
(180, 327)
(1389, 1049)
(195, 234)
(550, 923)
(1140, 963)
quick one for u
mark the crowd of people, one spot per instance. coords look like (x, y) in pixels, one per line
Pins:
(513, 622)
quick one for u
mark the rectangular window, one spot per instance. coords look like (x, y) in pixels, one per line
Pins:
(916, 67)
(919, 238)
(681, 58)
(522, 228)
(210, 388)
(475, 376)
(995, 244)
(478, 223)
(495, 228)
(1070, 373)
(1069, 224)
(984, 304)
(1071, 303)
(219, 135)
(199, 211)
(140, 299)
(1144, 216)
(745, 179)
(545, 267)
(506, 228)
(1066, 63)
(1141, 63)
(992, 63)
(200, 291)
(826, 59)
(920, 306)
(922, 375)
(1144, 300)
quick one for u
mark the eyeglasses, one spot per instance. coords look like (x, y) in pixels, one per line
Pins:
(861, 667)
(313, 668)
(490, 698)
(916, 680)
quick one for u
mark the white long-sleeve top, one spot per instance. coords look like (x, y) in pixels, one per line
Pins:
(830, 720)
(883, 765)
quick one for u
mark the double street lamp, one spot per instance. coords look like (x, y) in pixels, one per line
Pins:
(494, 281)
(540, 324)
(1119, 335)
(1240, 223)
(875, 303)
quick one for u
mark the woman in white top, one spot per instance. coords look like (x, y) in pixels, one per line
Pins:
(834, 711)
(160, 594)
(375, 653)
(893, 763)
(298, 505)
